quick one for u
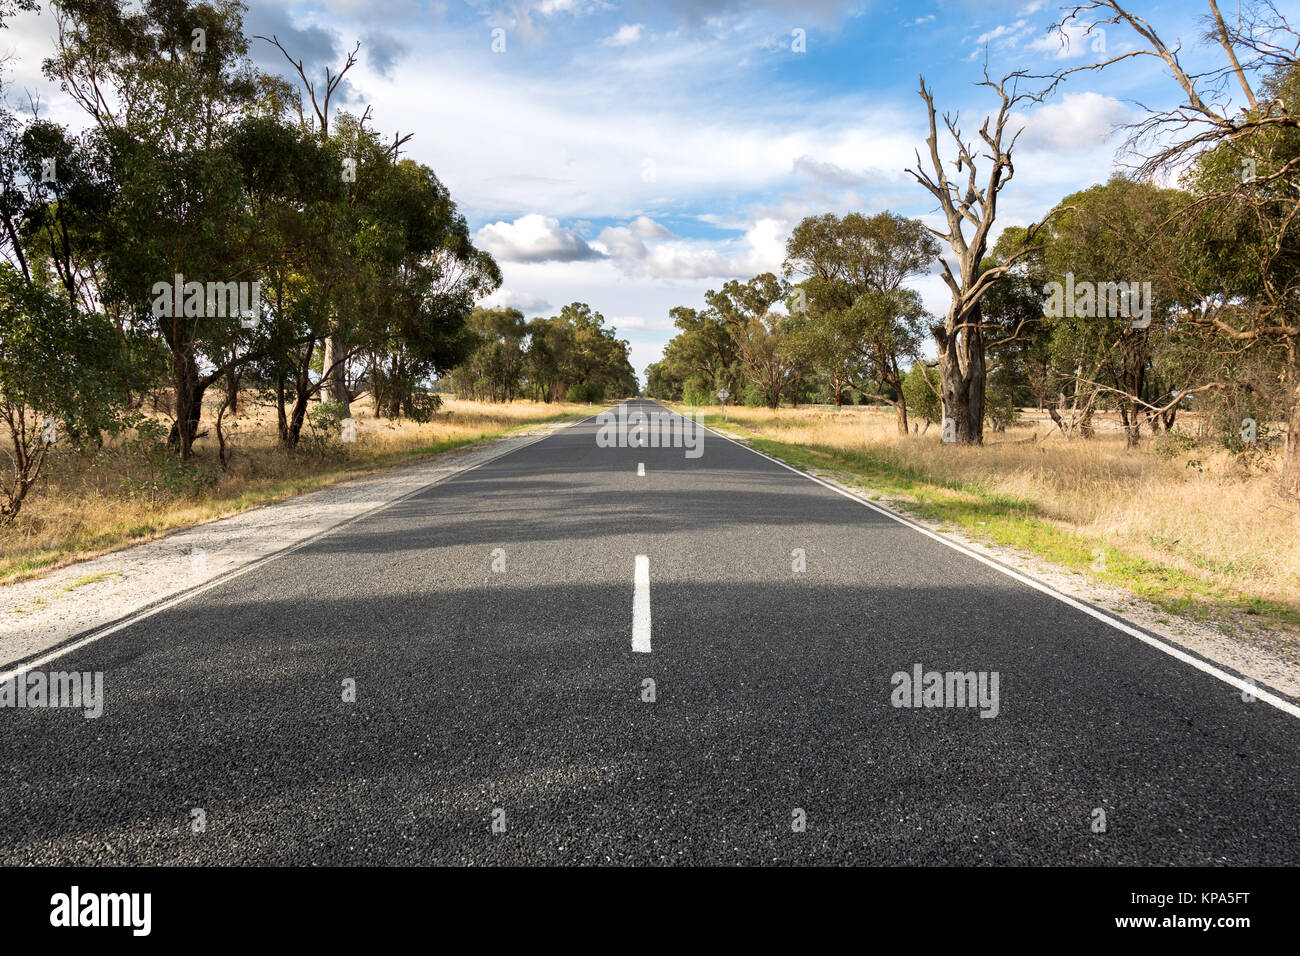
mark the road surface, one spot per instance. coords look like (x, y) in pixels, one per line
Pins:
(500, 714)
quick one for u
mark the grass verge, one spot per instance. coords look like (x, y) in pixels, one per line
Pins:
(70, 521)
(987, 514)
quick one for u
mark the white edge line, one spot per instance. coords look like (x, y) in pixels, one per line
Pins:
(139, 616)
(1258, 692)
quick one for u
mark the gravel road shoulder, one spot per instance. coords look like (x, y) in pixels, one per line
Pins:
(41, 613)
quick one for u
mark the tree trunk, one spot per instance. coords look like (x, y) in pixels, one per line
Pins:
(895, 382)
(337, 386)
(232, 391)
(189, 404)
(1085, 424)
(281, 418)
(961, 375)
(297, 416)
(1132, 424)
(1290, 478)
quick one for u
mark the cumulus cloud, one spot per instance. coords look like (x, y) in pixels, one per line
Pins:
(1078, 121)
(685, 260)
(760, 249)
(643, 227)
(621, 243)
(625, 35)
(1074, 40)
(510, 299)
(629, 242)
(533, 238)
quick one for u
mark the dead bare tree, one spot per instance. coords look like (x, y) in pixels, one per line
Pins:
(960, 340)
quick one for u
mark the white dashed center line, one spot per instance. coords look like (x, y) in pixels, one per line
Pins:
(641, 606)
(640, 469)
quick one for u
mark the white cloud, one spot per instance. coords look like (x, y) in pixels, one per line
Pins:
(1074, 40)
(533, 238)
(577, 7)
(625, 242)
(760, 249)
(510, 299)
(686, 260)
(588, 134)
(621, 243)
(1005, 31)
(1078, 122)
(625, 35)
(830, 174)
(636, 323)
(643, 227)
(1003, 37)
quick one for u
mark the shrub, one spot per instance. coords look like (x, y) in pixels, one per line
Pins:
(696, 392)
(323, 435)
(155, 471)
(920, 391)
(588, 392)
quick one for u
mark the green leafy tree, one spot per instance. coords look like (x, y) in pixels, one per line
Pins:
(758, 332)
(63, 373)
(1237, 277)
(863, 325)
(921, 387)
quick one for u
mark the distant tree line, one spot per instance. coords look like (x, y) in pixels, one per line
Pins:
(572, 357)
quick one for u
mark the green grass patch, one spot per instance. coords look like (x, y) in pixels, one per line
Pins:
(88, 579)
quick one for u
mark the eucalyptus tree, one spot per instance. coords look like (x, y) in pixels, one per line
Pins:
(867, 327)
(1234, 135)
(166, 85)
(759, 332)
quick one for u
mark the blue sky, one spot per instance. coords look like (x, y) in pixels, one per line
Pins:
(634, 154)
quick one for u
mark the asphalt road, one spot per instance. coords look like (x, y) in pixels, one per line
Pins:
(515, 697)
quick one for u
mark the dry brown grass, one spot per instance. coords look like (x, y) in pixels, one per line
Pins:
(1197, 509)
(88, 504)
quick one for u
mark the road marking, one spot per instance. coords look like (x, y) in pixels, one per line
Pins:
(1281, 703)
(640, 469)
(641, 606)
